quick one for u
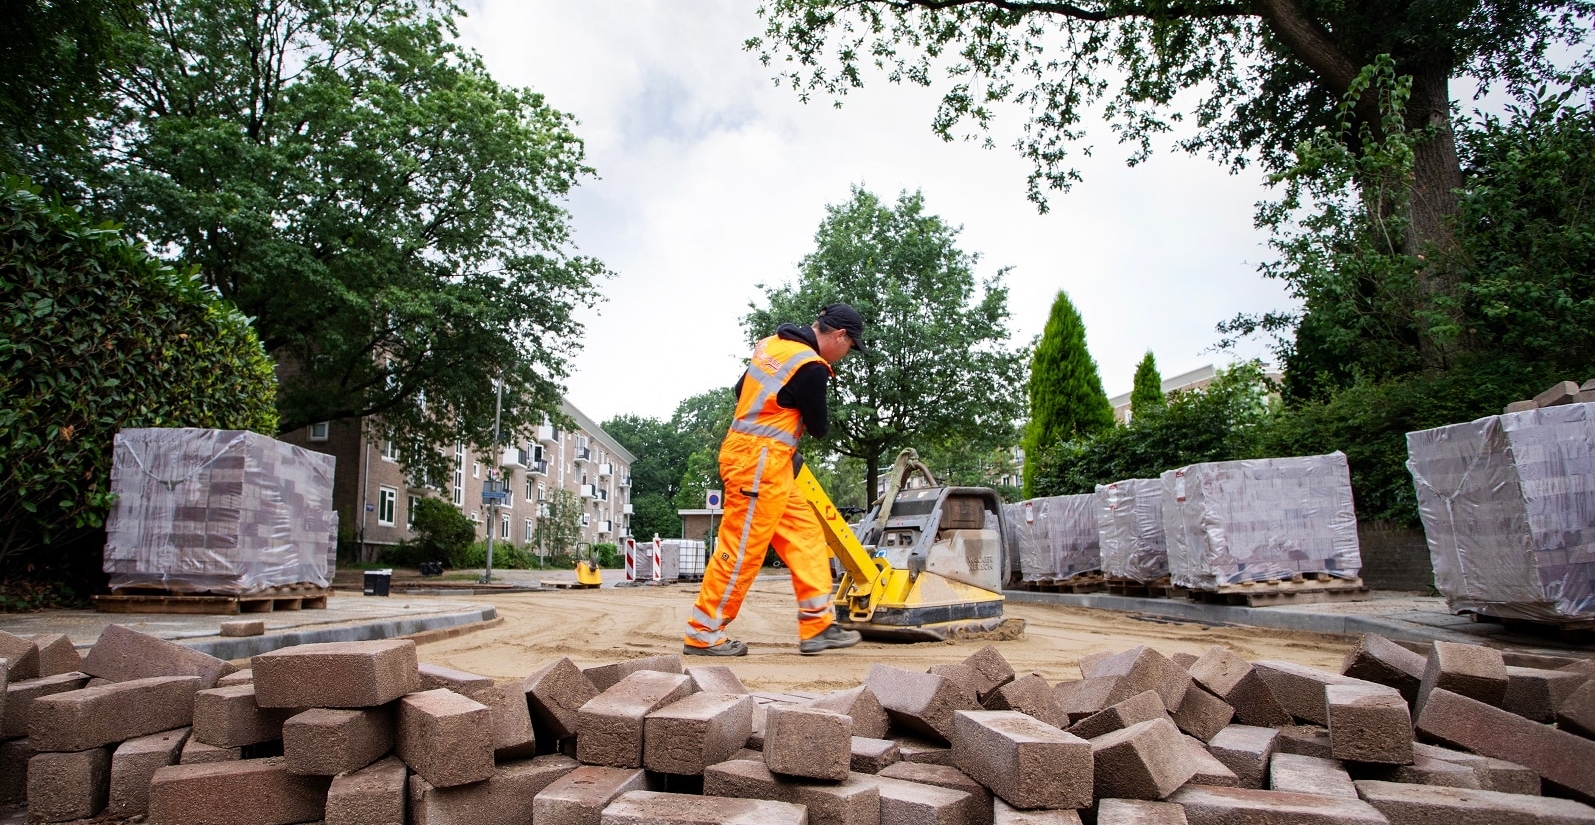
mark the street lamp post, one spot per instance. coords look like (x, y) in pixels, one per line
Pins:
(494, 488)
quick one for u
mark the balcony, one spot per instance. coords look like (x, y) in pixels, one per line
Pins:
(548, 434)
(627, 510)
(588, 491)
(515, 457)
(625, 482)
(605, 528)
(606, 470)
(537, 467)
(603, 494)
(584, 454)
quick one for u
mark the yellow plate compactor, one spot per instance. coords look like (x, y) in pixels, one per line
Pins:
(926, 564)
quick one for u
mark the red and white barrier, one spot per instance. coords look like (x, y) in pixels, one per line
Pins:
(631, 560)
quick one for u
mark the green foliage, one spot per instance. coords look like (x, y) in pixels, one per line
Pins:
(1066, 397)
(359, 184)
(938, 368)
(558, 527)
(442, 533)
(1224, 421)
(607, 555)
(98, 336)
(1147, 392)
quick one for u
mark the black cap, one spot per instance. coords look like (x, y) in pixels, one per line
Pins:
(842, 316)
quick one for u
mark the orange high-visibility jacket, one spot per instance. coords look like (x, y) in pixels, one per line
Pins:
(758, 413)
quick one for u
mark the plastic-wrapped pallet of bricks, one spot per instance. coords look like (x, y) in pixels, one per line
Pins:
(1508, 507)
(1130, 527)
(689, 555)
(1229, 522)
(220, 511)
(1056, 536)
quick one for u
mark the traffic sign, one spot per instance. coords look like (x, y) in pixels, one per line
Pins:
(714, 499)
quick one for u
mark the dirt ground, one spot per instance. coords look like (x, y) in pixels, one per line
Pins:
(596, 627)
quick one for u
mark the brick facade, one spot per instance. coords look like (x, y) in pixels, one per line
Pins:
(374, 496)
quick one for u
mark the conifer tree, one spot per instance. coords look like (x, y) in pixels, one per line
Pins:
(1147, 394)
(1066, 397)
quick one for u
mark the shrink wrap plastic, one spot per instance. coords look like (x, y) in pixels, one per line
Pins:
(670, 559)
(1508, 507)
(218, 511)
(1229, 522)
(1130, 526)
(1055, 537)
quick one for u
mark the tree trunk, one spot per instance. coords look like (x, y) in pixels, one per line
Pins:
(1433, 204)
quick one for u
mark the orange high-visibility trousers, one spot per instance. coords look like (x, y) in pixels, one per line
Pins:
(762, 509)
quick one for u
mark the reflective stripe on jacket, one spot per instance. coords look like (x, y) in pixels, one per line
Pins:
(758, 412)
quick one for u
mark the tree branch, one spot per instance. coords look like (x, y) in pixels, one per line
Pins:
(1173, 11)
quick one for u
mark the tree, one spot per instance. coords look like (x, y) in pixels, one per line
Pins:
(558, 528)
(1147, 392)
(938, 365)
(1066, 397)
(442, 532)
(701, 422)
(1267, 74)
(655, 475)
(389, 214)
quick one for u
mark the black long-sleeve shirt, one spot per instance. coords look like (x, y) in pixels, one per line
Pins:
(805, 390)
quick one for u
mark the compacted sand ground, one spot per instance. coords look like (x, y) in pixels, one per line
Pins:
(600, 626)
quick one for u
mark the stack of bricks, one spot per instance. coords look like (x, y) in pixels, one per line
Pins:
(146, 730)
(1130, 528)
(1056, 536)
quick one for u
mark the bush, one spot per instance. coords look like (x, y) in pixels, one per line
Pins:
(98, 335)
(442, 533)
(607, 554)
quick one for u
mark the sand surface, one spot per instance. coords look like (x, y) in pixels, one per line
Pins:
(595, 627)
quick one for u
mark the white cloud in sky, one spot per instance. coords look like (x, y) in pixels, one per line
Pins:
(712, 181)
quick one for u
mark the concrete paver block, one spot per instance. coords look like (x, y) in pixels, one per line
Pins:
(56, 654)
(1562, 392)
(444, 737)
(612, 723)
(703, 729)
(373, 795)
(513, 734)
(1305, 740)
(1369, 723)
(1031, 695)
(859, 703)
(251, 627)
(869, 755)
(1300, 689)
(913, 803)
(1245, 749)
(914, 749)
(1088, 662)
(808, 742)
(228, 717)
(67, 786)
(466, 684)
(556, 693)
(134, 764)
(1144, 761)
(991, 669)
(605, 677)
(237, 677)
(1141, 669)
(20, 695)
(247, 792)
(1474, 671)
(855, 800)
(89, 718)
(1004, 814)
(121, 654)
(1184, 660)
(716, 679)
(919, 703)
(506, 797)
(1379, 660)
(1309, 774)
(14, 756)
(199, 753)
(979, 809)
(1536, 693)
(21, 655)
(1561, 759)
(1205, 805)
(1138, 812)
(1493, 774)
(1577, 711)
(1084, 697)
(330, 741)
(1209, 771)
(336, 674)
(653, 808)
(1025, 761)
(1202, 714)
(1423, 771)
(1403, 803)
(579, 797)
(1142, 707)
(961, 676)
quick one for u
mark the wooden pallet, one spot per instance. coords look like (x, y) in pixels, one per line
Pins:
(566, 584)
(1155, 589)
(1312, 588)
(1084, 583)
(1571, 631)
(151, 600)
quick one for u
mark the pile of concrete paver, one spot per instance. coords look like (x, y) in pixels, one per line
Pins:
(359, 732)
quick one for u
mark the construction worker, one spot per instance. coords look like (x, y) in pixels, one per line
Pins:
(781, 395)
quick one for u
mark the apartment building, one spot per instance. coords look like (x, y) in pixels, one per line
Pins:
(375, 497)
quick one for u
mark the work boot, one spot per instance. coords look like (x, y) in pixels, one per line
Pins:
(729, 647)
(833, 636)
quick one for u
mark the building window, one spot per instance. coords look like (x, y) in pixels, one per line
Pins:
(476, 470)
(528, 525)
(542, 493)
(386, 498)
(504, 528)
(319, 430)
(529, 489)
(409, 512)
(390, 450)
(459, 475)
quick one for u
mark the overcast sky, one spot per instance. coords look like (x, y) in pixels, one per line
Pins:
(712, 181)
